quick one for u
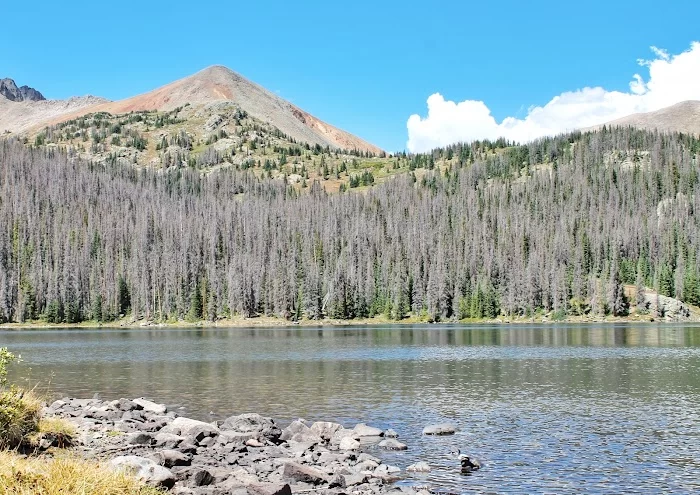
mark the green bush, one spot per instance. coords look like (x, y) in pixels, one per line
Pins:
(6, 358)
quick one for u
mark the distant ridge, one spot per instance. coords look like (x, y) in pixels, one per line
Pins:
(681, 117)
(213, 84)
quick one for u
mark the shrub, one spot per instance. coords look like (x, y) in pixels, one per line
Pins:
(6, 358)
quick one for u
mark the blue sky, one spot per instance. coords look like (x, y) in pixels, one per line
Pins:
(365, 66)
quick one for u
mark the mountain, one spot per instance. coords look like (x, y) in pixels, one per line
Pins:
(9, 89)
(681, 117)
(214, 85)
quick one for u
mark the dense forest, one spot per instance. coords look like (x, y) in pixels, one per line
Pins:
(556, 225)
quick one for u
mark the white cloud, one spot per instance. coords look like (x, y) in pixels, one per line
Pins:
(672, 79)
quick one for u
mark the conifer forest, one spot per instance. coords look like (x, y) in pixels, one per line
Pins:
(561, 224)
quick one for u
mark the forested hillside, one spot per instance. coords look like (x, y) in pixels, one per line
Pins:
(557, 225)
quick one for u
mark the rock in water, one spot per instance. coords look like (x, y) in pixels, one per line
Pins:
(144, 469)
(391, 434)
(362, 430)
(392, 444)
(419, 467)
(440, 429)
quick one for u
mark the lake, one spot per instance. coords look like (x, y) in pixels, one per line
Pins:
(599, 408)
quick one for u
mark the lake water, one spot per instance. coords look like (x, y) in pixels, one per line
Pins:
(547, 409)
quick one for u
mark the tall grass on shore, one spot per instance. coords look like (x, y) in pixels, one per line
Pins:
(64, 475)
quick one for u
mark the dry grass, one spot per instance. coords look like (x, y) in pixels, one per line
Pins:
(64, 475)
(59, 431)
(19, 416)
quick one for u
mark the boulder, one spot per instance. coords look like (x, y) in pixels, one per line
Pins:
(145, 470)
(151, 407)
(294, 428)
(343, 433)
(200, 477)
(253, 423)
(190, 428)
(391, 433)
(325, 429)
(170, 458)
(354, 479)
(440, 429)
(140, 438)
(349, 443)
(362, 430)
(305, 474)
(392, 444)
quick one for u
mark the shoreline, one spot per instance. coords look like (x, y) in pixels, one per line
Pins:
(272, 322)
(246, 454)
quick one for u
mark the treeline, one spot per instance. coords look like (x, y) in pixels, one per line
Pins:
(557, 225)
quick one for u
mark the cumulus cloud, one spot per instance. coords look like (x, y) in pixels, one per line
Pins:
(671, 79)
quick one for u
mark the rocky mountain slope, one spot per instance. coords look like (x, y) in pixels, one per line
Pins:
(681, 117)
(215, 84)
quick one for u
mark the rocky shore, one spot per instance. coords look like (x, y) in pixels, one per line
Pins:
(246, 454)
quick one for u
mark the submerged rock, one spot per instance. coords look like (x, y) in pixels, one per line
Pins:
(419, 467)
(440, 429)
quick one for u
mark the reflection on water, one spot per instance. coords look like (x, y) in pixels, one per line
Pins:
(559, 409)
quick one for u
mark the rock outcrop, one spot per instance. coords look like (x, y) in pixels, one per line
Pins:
(10, 90)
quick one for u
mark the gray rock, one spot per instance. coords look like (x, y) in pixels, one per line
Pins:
(269, 489)
(362, 430)
(305, 474)
(392, 444)
(440, 429)
(244, 477)
(349, 443)
(325, 429)
(391, 434)
(140, 438)
(343, 433)
(354, 479)
(249, 423)
(419, 467)
(145, 470)
(366, 466)
(170, 458)
(149, 406)
(200, 477)
(126, 405)
(294, 428)
(190, 428)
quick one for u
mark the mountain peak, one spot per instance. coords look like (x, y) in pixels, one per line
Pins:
(10, 90)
